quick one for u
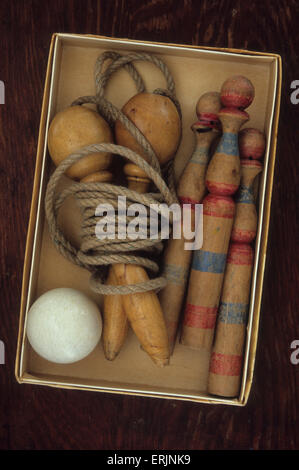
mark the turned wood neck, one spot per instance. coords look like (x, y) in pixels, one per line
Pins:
(249, 171)
(104, 176)
(137, 179)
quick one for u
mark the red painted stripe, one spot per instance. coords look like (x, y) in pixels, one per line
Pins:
(243, 236)
(240, 254)
(188, 200)
(208, 120)
(219, 206)
(233, 100)
(197, 316)
(252, 151)
(221, 189)
(210, 116)
(245, 163)
(226, 364)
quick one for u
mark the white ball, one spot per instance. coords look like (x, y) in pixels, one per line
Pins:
(64, 325)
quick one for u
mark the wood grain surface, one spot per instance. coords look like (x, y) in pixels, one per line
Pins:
(33, 417)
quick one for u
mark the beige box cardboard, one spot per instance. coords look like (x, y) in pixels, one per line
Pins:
(195, 70)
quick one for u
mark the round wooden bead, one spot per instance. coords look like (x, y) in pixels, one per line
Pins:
(252, 143)
(76, 127)
(237, 92)
(157, 118)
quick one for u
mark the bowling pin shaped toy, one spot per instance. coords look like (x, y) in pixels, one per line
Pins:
(191, 189)
(222, 181)
(227, 354)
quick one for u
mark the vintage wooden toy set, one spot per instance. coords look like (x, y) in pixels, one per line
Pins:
(147, 124)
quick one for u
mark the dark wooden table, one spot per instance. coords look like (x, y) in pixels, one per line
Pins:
(33, 417)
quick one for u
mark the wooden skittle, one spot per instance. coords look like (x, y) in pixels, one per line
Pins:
(222, 181)
(143, 310)
(228, 349)
(191, 189)
(206, 275)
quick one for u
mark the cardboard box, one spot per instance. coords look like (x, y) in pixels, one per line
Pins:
(195, 70)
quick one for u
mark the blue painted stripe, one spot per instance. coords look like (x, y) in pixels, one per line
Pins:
(209, 262)
(228, 144)
(200, 156)
(233, 313)
(176, 274)
(245, 195)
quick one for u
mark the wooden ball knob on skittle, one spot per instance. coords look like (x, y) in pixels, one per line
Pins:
(252, 143)
(191, 189)
(222, 181)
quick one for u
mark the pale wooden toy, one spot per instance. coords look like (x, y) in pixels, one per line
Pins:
(142, 309)
(222, 181)
(157, 117)
(228, 349)
(191, 189)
